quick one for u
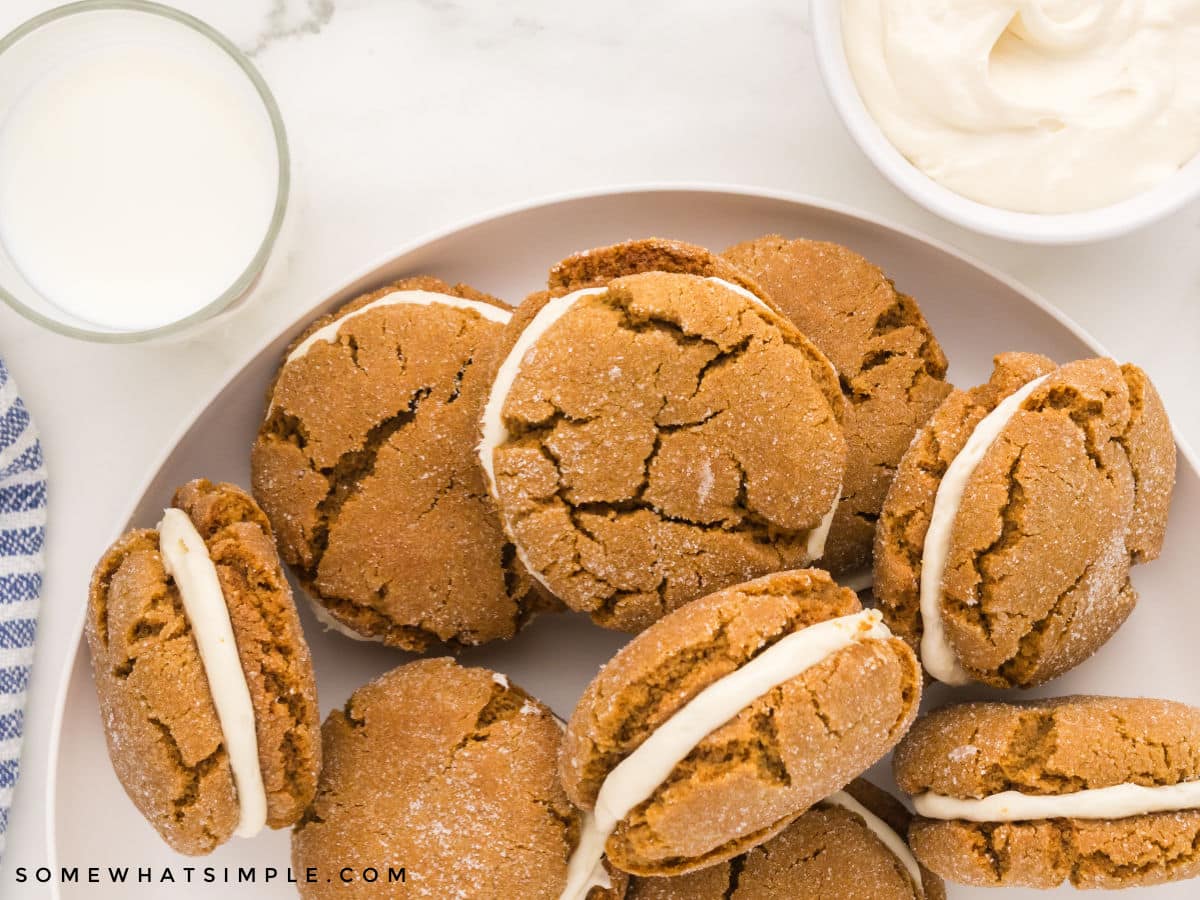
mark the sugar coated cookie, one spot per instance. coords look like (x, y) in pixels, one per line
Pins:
(365, 464)
(1103, 792)
(1004, 547)
(204, 679)
(851, 846)
(890, 366)
(592, 268)
(657, 436)
(450, 773)
(713, 729)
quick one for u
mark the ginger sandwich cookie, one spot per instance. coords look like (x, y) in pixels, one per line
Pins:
(1005, 544)
(716, 727)
(450, 772)
(600, 265)
(1101, 792)
(655, 436)
(365, 464)
(204, 679)
(851, 846)
(889, 364)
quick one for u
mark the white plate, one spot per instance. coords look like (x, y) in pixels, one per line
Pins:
(975, 314)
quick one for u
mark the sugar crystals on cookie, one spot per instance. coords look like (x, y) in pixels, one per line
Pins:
(890, 365)
(716, 727)
(365, 463)
(450, 772)
(652, 437)
(850, 845)
(204, 679)
(1005, 545)
(1103, 792)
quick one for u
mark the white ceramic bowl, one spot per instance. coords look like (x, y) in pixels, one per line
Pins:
(1066, 228)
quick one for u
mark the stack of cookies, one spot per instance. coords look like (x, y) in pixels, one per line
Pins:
(719, 454)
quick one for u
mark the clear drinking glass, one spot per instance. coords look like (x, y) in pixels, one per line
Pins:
(59, 36)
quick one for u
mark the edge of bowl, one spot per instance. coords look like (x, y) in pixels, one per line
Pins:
(1065, 228)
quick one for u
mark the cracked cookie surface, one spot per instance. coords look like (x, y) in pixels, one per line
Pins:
(890, 367)
(1055, 747)
(366, 466)
(450, 772)
(827, 852)
(1072, 492)
(747, 780)
(161, 726)
(602, 264)
(665, 437)
(1135, 852)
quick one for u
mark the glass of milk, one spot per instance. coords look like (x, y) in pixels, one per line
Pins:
(143, 171)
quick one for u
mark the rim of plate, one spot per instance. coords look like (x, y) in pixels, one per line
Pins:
(563, 198)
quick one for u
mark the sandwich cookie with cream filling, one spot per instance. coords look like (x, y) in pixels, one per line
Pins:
(656, 436)
(1103, 792)
(890, 366)
(719, 725)
(1004, 547)
(365, 463)
(204, 679)
(450, 772)
(851, 846)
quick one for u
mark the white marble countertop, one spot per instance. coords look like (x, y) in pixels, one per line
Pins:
(409, 115)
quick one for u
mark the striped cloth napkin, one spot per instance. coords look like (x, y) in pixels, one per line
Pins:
(22, 534)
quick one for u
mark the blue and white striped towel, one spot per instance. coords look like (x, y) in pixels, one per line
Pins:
(22, 534)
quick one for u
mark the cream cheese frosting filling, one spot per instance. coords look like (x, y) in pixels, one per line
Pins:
(815, 548)
(328, 333)
(858, 581)
(635, 778)
(750, 295)
(937, 656)
(887, 836)
(492, 422)
(185, 558)
(326, 618)
(1120, 801)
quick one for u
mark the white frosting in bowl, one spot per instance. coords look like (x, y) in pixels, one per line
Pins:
(1036, 106)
